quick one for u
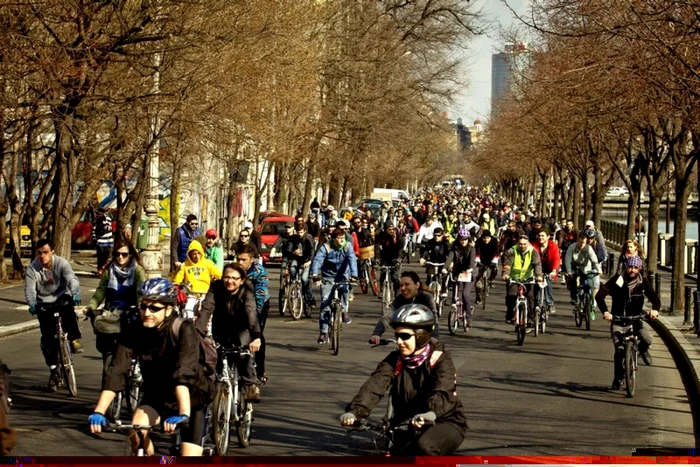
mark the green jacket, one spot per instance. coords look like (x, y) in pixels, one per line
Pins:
(216, 255)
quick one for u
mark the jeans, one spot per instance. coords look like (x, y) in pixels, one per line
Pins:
(47, 326)
(548, 297)
(617, 333)
(326, 297)
(305, 284)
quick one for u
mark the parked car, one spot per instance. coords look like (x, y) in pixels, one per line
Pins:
(25, 240)
(617, 191)
(270, 229)
(81, 235)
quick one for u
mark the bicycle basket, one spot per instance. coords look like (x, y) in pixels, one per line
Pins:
(109, 322)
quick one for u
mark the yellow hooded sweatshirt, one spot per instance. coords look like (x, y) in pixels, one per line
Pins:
(200, 275)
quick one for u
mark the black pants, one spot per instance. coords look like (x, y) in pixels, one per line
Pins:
(245, 364)
(260, 354)
(441, 439)
(103, 256)
(512, 296)
(47, 326)
(617, 333)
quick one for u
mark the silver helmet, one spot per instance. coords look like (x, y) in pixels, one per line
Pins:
(413, 316)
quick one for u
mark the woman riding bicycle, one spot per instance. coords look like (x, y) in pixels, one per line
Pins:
(174, 383)
(420, 377)
(461, 261)
(119, 289)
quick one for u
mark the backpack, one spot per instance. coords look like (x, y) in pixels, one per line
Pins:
(208, 356)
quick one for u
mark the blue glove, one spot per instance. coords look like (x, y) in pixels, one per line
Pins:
(76, 299)
(32, 310)
(176, 419)
(97, 419)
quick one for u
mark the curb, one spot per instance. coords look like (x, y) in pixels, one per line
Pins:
(687, 360)
(25, 326)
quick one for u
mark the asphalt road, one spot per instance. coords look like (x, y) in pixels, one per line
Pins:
(549, 397)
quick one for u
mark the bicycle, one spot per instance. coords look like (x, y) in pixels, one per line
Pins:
(585, 304)
(436, 286)
(368, 277)
(457, 313)
(66, 369)
(131, 394)
(387, 289)
(384, 432)
(139, 430)
(230, 401)
(336, 321)
(631, 340)
(541, 309)
(293, 294)
(521, 311)
(190, 308)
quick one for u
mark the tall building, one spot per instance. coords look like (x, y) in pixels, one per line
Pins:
(501, 73)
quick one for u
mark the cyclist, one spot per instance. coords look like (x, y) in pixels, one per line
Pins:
(485, 247)
(119, 287)
(50, 280)
(214, 250)
(336, 262)
(231, 306)
(244, 238)
(627, 291)
(421, 379)
(581, 260)
(286, 244)
(509, 237)
(426, 232)
(103, 238)
(521, 263)
(257, 277)
(304, 259)
(551, 261)
(197, 271)
(412, 291)
(436, 251)
(388, 247)
(174, 384)
(460, 261)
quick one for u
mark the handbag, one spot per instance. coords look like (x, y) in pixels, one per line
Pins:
(109, 322)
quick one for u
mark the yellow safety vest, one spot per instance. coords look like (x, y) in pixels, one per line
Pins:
(522, 265)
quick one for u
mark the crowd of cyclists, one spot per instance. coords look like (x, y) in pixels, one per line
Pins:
(461, 234)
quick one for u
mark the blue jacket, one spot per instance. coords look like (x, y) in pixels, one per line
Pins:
(335, 265)
(258, 276)
(184, 239)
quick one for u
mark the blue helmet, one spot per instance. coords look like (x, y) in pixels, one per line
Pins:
(159, 290)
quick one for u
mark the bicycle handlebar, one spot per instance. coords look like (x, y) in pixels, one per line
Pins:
(383, 342)
(623, 319)
(235, 351)
(429, 263)
(115, 427)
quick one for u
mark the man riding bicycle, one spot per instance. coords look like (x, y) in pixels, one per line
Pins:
(581, 261)
(335, 261)
(50, 280)
(388, 247)
(436, 251)
(521, 263)
(174, 384)
(485, 247)
(628, 290)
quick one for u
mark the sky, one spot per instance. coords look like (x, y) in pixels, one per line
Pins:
(475, 102)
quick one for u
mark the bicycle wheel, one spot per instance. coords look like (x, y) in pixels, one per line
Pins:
(134, 397)
(282, 301)
(465, 322)
(221, 418)
(521, 315)
(484, 291)
(335, 330)
(578, 319)
(66, 359)
(543, 322)
(435, 291)
(373, 284)
(452, 321)
(245, 422)
(630, 368)
(537, 321)
(296, 301)
(114, 411)
(586, 314)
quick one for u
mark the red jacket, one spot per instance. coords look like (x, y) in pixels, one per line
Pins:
(551, 261)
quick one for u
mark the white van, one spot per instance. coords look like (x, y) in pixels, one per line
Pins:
(396, 195)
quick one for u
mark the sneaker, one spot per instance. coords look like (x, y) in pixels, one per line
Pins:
(469, 324)
(509, 321)
(478, 300)
(591, 315)
(346, 318)
(322, 339)
(443, 295)
(552, 310)
(77, 346)
(253, 394)
(646, 356)
(54, 380)
(616, 384)
(351, 296)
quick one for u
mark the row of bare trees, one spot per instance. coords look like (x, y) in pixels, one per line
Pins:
(606, 93)
(348, 92)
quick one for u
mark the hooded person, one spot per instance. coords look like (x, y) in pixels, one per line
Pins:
(197, 271)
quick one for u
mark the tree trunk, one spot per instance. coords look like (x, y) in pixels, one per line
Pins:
(652, 252)
(598, 196)
(586, 197)
(576, 202)
(64, 184)
(175, 189)
(632, 201)
(308, 188)
(281, 188)
(679, 232)
(569, 202)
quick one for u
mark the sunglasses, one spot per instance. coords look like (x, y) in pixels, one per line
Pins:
(244, 236)
(404, 336)
(232, 278)
(151, 308)
(122, 254)
(194, 224)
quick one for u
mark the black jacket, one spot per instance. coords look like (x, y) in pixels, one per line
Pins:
(166, 362)
(388, 248)
(625, 303)
(486, 251)
(231, 314)
(436, 252)
(463, 258)
(414, 391)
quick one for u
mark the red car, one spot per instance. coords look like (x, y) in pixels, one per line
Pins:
(270, 229)
(81, 235)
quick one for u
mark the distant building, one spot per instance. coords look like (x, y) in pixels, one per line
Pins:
(501, 72)
(462, 136)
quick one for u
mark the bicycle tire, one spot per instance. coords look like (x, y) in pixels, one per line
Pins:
(537, 321)
(221, 418)
(114, 411)
(435, 290)
(67, 367)
(363, 285)
(521, 317)
(296, 301)
(578, 319)
(244, 427)
(452, 321)
(134, 397)
(586, 313)
(465, 321)
(282, 301)
(335, 337)
(373, 284)
(630, 368)
(484, 291)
